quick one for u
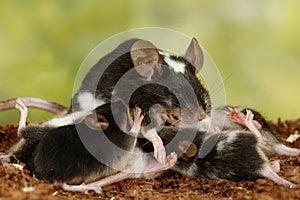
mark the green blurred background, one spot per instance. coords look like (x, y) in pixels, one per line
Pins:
(255, 44)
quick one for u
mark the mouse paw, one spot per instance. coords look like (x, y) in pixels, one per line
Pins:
(240, 118)
(137, 121)
(236, 116)
(250, 119)
(138, 116)
(84, 188)
(158, 167)
(171, 160)
(23, 115)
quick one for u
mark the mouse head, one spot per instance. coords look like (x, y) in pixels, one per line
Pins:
(174, 77)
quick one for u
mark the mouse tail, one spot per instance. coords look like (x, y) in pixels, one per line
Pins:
(34, 103)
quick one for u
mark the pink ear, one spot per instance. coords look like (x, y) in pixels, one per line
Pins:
(96, 122)
(146, 59)
(194, 55)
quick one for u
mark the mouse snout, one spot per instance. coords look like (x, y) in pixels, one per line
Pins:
(194, 114)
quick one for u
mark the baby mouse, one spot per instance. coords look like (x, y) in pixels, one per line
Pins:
(58, 154)
(47, 151)
(235, 156)
(239, 118)
(159, 78)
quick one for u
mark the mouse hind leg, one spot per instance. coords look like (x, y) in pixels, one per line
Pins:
(269, 169)
(267, 172)
(127, 173)
(281, 149)
(275, 165)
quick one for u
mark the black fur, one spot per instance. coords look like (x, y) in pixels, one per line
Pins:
(238, 160)
(59, 154)
(118, 63)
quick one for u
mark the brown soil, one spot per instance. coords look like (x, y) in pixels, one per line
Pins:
(168, 186)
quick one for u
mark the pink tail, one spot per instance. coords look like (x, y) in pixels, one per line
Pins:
(35, 103)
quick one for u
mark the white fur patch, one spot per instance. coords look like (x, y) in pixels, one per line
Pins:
(176, 65)
(221, 146)
(88, 102)
(191, 170)
(67, 119)
(232, 136)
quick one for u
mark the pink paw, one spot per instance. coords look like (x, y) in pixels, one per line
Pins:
(237, 116)
(243, 119)
(137, 116)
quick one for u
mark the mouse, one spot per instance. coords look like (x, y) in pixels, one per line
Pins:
(236, 156)
(44, 149)
(58, 154)
(140, 73)
(239, 118)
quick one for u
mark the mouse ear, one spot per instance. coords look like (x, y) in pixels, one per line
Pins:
(96, 122)
(188, 148)
(146, 59)
(194, 55)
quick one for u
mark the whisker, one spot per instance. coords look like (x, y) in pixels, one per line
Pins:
(217, 88)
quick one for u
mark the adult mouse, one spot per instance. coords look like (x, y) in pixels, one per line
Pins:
(139, 73)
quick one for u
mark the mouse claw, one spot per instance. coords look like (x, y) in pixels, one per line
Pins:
(84, 188)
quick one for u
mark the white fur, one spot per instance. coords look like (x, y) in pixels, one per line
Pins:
(176, 65)
(221, 146)
(67, 119)
(232, 136)
(191, 170)
(87, 101)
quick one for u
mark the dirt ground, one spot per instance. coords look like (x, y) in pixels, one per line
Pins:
(19, 184)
